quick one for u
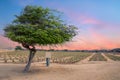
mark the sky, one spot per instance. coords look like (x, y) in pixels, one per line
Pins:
(98, 21)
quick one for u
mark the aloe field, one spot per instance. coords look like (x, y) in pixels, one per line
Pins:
(57, 57)
(20, 57)
(113, 57)
(98, 57)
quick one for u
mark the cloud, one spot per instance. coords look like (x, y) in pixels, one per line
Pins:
(103, 41)
(96, 41)
(89, 20)
(79, 17)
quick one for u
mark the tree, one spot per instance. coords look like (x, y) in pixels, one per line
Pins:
(18, 48)
(38, 26)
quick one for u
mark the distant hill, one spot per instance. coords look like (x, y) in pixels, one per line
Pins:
(6, 43)
(116, 50)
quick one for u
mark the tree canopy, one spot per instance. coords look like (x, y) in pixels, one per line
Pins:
(37, 25)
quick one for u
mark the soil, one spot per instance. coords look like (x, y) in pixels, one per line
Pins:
(92, 70)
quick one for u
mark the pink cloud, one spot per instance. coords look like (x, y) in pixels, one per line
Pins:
(103, 41)
(6, 43)
(80, 17)
(94, 40)
(88, 20)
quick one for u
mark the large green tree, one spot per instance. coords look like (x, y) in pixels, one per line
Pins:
(36, 25)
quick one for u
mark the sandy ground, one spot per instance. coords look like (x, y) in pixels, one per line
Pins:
(84, 71)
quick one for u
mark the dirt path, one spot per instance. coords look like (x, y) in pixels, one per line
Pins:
(86, 59)
(96, 71)
(108, 59)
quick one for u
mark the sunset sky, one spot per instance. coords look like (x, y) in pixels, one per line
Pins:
(98, 20)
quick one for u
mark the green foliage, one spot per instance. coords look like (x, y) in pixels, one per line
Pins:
(18, 48)
(37, 25)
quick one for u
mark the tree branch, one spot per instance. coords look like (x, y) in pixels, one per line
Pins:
(25, 45)
(29, 47)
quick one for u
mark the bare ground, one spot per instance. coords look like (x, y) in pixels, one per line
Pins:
(84, 71)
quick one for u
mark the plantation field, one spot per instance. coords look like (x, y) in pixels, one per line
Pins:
(114, 57)
(56, 57)
(98, 57)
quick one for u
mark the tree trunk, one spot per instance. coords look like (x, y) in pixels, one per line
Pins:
(31, 55)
